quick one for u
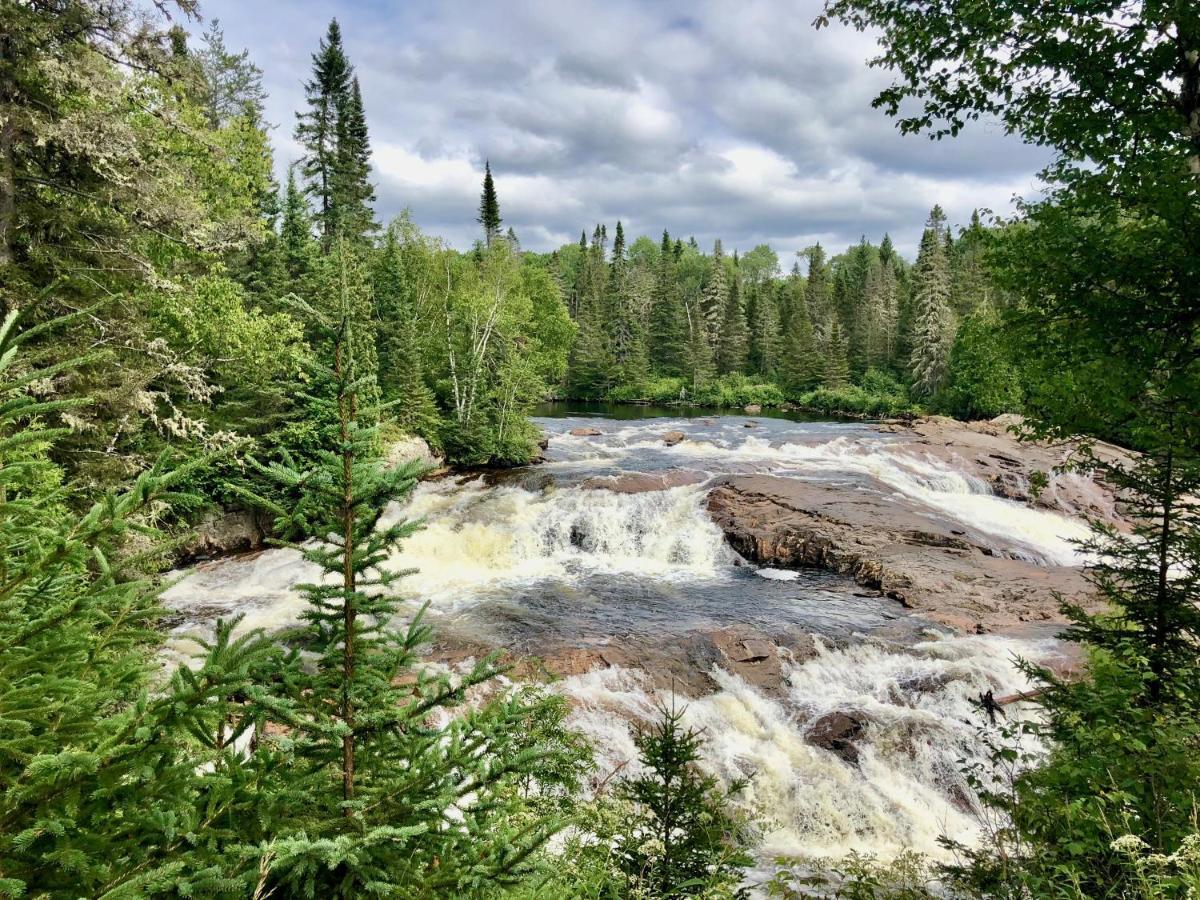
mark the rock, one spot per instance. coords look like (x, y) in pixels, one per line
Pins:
(222, 533)
(671, 438)
(639, 483)
(749, 424)
(752, 408)
(943, 570)
(544, 442)
(837, 732)
(585, 432)
(412, 448)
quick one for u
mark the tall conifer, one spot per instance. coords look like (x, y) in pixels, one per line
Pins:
(489, 207)
(317, 128)
(933, 331)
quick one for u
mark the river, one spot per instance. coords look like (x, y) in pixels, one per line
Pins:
(545, 561)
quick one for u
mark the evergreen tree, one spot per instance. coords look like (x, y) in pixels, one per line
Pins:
(625, 315)
(685, 841)
(802, 364)
(398, 338)
(933, 333)
(374, 782)
(817, 294)
(732, 342)
(317, 128)
(715, 296)
(837, 357)
(295, 233)
(353, 191)
(764, 349)
(699, 363)
(668, 337)
(489, 207)
(233, 83)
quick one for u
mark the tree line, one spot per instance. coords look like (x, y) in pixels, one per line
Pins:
(179, 330)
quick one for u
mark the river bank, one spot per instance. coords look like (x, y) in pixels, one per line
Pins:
(651, 556)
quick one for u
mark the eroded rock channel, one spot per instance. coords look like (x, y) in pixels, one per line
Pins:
(829, 596)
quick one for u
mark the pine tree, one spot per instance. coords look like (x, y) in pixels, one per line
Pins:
(732, 342)
(317, 129)
(295, 233)
(398, 339)
(837, 357)
(933, 332)
(715, 296)
(817, 294)
(489, 207)
(685, 843)
(802, 365)
(668, 324)
(699, 363)
(374, 778)
(353, 191)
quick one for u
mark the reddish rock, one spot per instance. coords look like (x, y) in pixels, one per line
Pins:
(838, 733)
(585, 432)
(640, 482)
(671, 438)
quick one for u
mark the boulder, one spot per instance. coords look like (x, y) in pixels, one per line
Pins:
(671, 438)
(410, 448)
(224, 532)
(838, 733)
(752, 408)
(585, 432)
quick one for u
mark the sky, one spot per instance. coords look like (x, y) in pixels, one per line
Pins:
(731, 120)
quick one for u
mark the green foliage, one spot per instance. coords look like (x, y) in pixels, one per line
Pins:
(877, 396)
(489, 207)
(982, 381)
(682, 840)
(856, 876)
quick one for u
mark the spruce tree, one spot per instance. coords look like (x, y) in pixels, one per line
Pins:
(802, 364)
(715, 296)
(295, 233)
(837, 357)
(817, 292)
(317, 128)
(685, 841)
(489, 207)
(700, 367)
(732, 342)
(668, 337)
(103, 768)
(933, 328)
(353, 191)
(377, 792)
(398, 338)
(765, 343)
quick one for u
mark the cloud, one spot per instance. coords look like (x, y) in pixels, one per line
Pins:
(713, 119)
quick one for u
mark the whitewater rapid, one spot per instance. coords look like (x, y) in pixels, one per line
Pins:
(541, 556)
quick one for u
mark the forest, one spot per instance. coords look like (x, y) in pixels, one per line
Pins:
(182, 333)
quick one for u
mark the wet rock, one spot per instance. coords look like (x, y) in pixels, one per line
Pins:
(752, 408)
(749, 424)
(935, 567)
(585, 432)
(224, 532)
(671, 438)
(838, 732)
(544, 442)
(642, 482)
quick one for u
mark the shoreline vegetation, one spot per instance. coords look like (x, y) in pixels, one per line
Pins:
(186, 326)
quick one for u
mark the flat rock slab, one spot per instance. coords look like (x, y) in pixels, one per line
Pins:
(943, 573)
